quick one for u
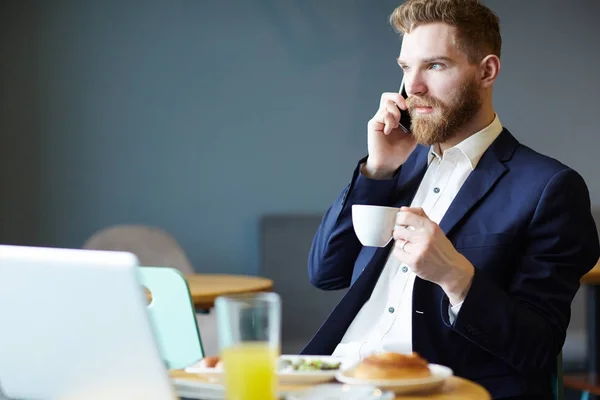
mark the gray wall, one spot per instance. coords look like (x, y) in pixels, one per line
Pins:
(200, 116)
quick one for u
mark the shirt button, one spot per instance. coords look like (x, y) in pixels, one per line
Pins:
(404, 269)
(391, 310)
(436, 190)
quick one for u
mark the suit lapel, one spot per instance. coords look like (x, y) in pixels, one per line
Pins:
(411, 176)
(481, 180)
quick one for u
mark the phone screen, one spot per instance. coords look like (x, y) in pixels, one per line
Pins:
(404, 114)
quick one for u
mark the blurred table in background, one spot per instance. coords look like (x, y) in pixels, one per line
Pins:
(205, 288)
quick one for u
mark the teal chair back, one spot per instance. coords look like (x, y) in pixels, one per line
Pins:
(557, 380)
(172, 316)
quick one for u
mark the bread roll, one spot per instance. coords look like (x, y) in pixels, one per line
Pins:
(387, 365)
(211, 362)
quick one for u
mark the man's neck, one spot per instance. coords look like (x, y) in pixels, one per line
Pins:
(482, 119)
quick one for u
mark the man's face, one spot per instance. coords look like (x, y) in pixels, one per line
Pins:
(443, 88)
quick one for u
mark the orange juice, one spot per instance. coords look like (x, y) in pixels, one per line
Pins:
(250, 371)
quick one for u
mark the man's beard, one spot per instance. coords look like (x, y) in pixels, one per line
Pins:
(446, 119)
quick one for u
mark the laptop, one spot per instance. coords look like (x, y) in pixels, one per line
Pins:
(74, 325)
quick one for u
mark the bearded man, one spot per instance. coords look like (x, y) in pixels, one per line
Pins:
(491, 237)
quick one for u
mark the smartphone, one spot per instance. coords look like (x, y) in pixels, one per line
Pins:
(404, 114)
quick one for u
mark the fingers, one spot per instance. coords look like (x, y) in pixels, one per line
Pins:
(387, 117)
(392, 116)
(376, 124)
(410, 234)
(404, 246)
(402, 234)
(402, 252)
(412, 217)
(392, 108)
(383, 121)
(412, 225)
(395, 98)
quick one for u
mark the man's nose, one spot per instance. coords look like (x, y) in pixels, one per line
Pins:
(414, 84)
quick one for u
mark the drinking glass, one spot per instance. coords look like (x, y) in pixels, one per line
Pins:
(249, 329)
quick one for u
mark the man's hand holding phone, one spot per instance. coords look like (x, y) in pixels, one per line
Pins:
(389, 144)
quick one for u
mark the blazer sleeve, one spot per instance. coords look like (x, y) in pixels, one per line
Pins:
(526, 325)
(335, 246)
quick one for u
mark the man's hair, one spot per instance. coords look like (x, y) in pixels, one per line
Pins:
(477, 27)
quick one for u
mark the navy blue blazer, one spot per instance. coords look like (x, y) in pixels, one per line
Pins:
(522, 219)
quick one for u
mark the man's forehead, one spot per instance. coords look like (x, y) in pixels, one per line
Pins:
(427, 41)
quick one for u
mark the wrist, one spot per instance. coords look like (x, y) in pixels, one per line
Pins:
(373, 170)
(458, 285)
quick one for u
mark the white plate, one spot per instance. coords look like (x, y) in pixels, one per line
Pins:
(439, 374)
(193, 389)
(286, 377)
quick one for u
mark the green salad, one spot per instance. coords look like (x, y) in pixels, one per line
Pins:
(303, 364)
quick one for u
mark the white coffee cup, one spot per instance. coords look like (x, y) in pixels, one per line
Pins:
(374, 225)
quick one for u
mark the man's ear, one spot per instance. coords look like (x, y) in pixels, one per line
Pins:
(489, 68)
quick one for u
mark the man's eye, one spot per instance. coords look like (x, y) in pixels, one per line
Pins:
(436, 66)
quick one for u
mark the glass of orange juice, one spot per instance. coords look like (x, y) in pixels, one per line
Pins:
(249, 329)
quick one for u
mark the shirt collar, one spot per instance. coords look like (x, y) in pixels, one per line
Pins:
(473, 147)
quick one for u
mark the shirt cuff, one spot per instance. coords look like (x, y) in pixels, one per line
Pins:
(453, 312)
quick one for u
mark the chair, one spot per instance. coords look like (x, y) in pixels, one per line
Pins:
(172, 316)
(154, 246)
(151, 245)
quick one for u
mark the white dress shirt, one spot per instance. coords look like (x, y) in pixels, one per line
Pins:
(384, 323)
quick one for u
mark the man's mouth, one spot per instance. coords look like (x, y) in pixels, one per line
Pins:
(423, 110)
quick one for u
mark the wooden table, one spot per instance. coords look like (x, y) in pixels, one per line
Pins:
(205, 288)
(453, 388)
